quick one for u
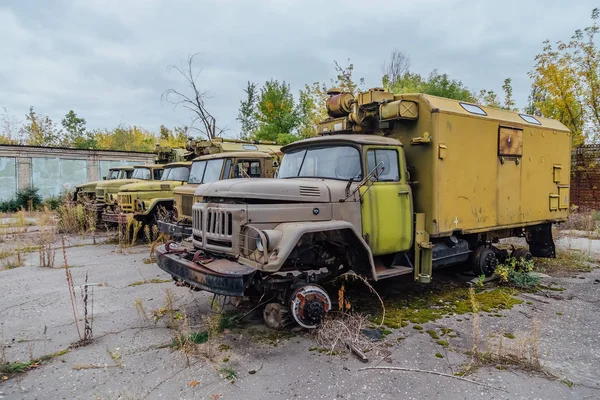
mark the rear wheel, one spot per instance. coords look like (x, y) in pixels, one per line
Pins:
(522, 256)
(484, 261)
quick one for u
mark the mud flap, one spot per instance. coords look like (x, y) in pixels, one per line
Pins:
(539, 239)
(220, 276)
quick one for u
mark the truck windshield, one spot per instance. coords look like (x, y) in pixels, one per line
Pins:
(176, 174)
(213, 171)
(113, 174)
(197, 171)
(142, 173)
(331, 162)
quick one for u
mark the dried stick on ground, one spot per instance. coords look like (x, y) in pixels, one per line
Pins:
(71, 288)
(435, 373)
(368, 285)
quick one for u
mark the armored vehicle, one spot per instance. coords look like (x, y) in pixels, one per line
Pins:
(207, 169)
(395, 185)
(87, 192)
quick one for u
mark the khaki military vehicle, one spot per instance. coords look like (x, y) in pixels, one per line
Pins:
(395, 185)
(207, 169)
(87, 192)
(149, 200)
(146, 198)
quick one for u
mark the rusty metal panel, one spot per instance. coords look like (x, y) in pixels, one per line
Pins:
(510, 142)
(585, 176)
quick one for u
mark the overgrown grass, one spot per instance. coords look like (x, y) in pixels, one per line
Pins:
(10, 369)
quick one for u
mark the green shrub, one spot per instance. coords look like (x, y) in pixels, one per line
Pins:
(517, 273)
(53, 202)
(27, 198)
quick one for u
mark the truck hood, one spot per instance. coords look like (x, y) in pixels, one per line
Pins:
(116, 183)
(89, 185)
(150, 186)
(297, 190)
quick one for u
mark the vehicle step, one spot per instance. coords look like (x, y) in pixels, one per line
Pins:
(383, 273)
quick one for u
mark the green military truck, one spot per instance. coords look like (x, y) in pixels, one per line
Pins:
(395, 185)
(145, 199)
(86, 192)
(106, 191)
(207, 169)
(149, 200)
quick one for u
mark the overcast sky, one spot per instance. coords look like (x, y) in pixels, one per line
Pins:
(108, 59)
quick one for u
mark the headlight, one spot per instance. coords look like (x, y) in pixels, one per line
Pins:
(272, 238)
(259, 243)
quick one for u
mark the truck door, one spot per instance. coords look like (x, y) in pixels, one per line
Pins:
(387, 202)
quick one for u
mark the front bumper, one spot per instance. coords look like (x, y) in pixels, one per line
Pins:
(219, 275)
(114, 217)
(175, 229)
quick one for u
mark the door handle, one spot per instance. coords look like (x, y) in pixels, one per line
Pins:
(403, 192)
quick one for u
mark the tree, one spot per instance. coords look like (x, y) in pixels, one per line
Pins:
(247, 113)
(40, 130)
(509, 103)
(10, 128)
(566, 83)
(394, 69)
(488, 98)
(195, 101)
(173, 138)
(276, 112)
(313, 98)
(127, 139)
(76, 135)
(435, 84)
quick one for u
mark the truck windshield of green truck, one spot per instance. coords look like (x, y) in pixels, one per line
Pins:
(176, 174)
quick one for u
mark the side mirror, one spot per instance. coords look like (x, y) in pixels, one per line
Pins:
(103, 178)
(275, 164)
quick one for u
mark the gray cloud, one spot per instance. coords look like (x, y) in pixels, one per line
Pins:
(108, 59)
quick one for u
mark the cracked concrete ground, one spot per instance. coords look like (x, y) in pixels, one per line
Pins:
(130, 357)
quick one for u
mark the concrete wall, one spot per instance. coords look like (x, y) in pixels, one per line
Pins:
(53, 169)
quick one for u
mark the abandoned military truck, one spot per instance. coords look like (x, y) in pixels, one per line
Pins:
(395, 184)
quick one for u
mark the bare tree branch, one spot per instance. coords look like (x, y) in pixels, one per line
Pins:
(396, 67)
(194, 102)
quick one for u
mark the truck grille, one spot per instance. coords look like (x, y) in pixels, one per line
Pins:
(187, 201)
(219, 223)
(125, 202)
(213, 228)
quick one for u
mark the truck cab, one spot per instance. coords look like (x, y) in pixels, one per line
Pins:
(147, 199)
(106, 191)
(87, 192)
(208, 169)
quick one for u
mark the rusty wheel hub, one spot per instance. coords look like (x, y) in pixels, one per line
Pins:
(309, 304)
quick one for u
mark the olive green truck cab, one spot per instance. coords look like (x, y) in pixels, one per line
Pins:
(144, 199)
(106, 191)
(395, 185)
(208, 169)
(86, 192)
(152, 202)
